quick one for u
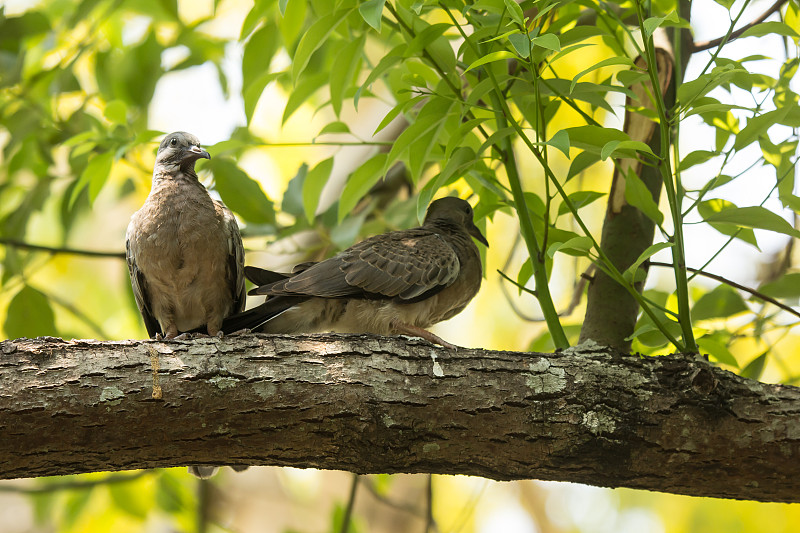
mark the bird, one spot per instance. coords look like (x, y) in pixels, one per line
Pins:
(400, 282)
(184, 251)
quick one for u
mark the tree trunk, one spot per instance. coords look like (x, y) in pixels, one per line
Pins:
(373, 404)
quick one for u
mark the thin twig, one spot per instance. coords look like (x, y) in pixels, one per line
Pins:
(726, 281)
(348, 511)
(406, 508)
(74, 485)
(59, 250)
(430, 523)
(705, 45)
(203, 505)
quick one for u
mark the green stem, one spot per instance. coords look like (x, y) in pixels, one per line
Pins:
(528, 234)
(672, 190)
(501, 111)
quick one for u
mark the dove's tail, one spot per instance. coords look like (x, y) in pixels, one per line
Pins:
(253, 318)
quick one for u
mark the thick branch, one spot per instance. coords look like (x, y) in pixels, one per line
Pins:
(378, 404)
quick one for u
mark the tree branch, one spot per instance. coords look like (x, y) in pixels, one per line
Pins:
(735, 285)
(713, 43)
(372, 404)
(59, 250)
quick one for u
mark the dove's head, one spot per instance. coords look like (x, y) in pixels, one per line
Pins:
(455, 211)
(180, 150)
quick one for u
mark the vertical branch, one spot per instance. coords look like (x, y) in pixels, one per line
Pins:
(611, 313)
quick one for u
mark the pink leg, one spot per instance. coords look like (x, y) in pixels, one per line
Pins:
(409, 329)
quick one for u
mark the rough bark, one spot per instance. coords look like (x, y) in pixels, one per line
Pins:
(379, 404)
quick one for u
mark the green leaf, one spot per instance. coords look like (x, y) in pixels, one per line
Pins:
(386, 62)
(695, 158)
(429, 120)
(755, 368)
(630, 272)
(718, 351)
(292, 24)
(691, 90)
(770, 28)
(650, 25)
(344, 70)
(282, 5)
(315, 37)
(525, 273)
(612, 147)
(302, 92)
(334, 127)
(721, 302)
(396, 110)
(241, 193)
(709, 208)
(560, 141)
(549, 41)
(786, 287)
(579, 199)
(29, 315)
(620, 60)
(359, 183)
(252, 94)
(94, 175)
(488, 58)
(312, 186)
(576, 246)
(521, 43)
(714, 108)
(758, 125)
(128, 498)
(116, 111)
(755, 217)
(170, 495)
(580, 163)
(515, 11)
(371, 11)
(638, 195)
(594, 137)
(74, 506)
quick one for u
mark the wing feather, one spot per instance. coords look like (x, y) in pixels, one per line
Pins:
(402, 264)
(139, 285)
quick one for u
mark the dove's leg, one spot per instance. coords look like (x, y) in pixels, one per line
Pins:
(409, 329)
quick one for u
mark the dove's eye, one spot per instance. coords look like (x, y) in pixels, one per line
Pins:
(173, 142)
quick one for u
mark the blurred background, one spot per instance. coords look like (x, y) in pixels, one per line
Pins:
(88, 87)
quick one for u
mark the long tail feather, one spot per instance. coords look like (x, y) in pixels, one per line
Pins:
(258, 315)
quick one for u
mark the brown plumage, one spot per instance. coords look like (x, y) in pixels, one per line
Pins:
(399, 282)
(185, 254)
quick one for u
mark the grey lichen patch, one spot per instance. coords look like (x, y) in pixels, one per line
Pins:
(430, 447)
(550, 381)
(224, 382)
(540, 366)
(437, 368)
(112, 395)
(599, 423)
(586, 347)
